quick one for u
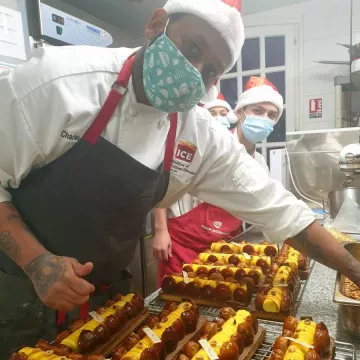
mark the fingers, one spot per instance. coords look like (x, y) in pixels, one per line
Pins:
(75, 298)
(80, 286)
(59, 303)
(164, 254)
(160, 254)
(170, 250)
(80, 269)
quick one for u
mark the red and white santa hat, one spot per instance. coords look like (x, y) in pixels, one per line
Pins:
(223, 15)
(221, 102)
(258, 90)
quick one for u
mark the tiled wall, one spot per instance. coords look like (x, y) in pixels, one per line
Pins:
(322, 24)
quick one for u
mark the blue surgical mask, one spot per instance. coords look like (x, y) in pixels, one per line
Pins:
(223, 120)
(256, 128)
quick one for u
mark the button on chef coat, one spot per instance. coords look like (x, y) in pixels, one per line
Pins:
(49, 102)
(188, 202)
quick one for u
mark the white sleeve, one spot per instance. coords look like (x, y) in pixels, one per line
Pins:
(231, 179)
(18, 148)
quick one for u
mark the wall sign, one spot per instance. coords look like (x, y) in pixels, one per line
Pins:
(64, 28)
(315, 108)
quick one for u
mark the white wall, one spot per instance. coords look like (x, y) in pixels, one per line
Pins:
(254, 6)
(120, 36)
(322, 24)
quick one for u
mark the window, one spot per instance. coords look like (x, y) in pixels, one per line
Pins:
(269, 51)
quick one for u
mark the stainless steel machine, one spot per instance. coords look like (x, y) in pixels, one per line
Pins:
(318, 165)
(349, 161)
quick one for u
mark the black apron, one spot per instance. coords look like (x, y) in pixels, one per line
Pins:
(91, 204)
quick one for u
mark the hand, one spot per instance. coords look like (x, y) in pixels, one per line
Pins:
(58, 281)
(162, 246)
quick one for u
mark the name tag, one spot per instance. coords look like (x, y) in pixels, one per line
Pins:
(208, 349)
(98, 318)
(152, 336)
(186, 277)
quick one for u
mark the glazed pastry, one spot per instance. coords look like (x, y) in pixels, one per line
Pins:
(28, 353)
(167, 331)
(225, 271)
(235, 259)
(228, 343)
(196, 287)
(91, 333)
(291, 257)
(307, 332)
(283, 275)
(277, 299)
(240, 248)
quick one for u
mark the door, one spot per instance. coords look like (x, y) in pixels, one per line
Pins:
(271, 52)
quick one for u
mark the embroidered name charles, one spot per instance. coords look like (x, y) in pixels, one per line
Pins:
(72, 137)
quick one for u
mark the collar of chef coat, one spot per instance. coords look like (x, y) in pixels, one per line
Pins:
(237, 138)
(135, 108)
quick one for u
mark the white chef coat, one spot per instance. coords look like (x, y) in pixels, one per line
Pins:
(188, 202)
(48, 103)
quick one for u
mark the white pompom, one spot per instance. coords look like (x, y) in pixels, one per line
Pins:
(231, 116)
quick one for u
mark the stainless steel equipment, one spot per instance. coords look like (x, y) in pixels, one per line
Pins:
(314, 160)
(350, 161)
(334, 200)
(349, 308)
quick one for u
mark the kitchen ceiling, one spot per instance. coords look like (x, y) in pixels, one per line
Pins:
(132, 15)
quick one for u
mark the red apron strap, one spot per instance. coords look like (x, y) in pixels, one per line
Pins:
(111, 103)
(61, 318)
(170, 142)
(84, 310)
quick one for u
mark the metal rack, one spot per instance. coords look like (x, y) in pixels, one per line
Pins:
(155, 304)
(343, 351)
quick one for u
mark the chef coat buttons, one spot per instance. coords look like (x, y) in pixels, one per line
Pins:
(133, 112)
(162, 123)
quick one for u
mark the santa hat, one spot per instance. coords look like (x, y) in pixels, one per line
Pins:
(221, 102)
(260, 90)
(223, 15)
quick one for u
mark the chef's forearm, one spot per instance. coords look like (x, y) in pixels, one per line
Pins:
(160, 219)
(318, 244)
(16, 241)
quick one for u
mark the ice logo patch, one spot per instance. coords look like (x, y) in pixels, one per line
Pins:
(217, 224)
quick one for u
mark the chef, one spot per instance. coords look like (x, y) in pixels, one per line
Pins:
(259, 109)
(221, 111)
(193, 225)
(92, 138)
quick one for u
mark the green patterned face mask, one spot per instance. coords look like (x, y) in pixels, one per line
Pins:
(171, 82)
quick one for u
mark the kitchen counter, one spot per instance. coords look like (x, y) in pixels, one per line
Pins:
(318, 302)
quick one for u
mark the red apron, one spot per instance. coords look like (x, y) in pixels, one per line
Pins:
(193, 233)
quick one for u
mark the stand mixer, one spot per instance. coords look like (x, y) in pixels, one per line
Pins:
(350, 163)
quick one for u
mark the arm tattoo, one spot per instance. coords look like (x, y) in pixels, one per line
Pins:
(45, 270)
(9, 246)
(13, 214)
(313, 250)
(348, 259)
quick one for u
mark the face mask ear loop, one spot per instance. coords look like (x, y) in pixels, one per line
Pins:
(167, 23)
(156, 36)
(245, 116)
